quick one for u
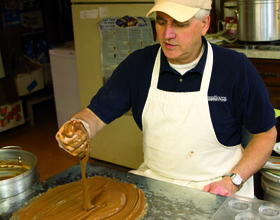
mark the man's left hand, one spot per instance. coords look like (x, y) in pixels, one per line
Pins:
(224, 187)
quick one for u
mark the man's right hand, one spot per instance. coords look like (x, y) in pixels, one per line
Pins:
(73, 138)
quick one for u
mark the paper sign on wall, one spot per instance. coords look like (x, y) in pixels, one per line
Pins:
(89, 14)
(103, 11)
(121, 36)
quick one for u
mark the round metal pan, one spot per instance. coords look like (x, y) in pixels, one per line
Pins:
(18, 171)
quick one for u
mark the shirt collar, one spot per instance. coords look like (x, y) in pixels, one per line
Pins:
(198, 68)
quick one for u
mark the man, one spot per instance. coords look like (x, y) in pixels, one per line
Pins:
(190, 99)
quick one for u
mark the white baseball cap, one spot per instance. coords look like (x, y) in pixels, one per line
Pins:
(180, 10)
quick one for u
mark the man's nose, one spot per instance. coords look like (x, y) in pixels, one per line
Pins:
(169, 31)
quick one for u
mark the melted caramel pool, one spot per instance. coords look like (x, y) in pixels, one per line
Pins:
(111, 199)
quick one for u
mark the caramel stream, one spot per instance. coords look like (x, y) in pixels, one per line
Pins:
(87, 205)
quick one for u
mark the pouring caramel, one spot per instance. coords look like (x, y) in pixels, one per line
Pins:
(87, 205)
(83, 158)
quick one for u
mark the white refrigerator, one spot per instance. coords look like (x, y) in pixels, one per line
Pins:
(65, 83)
(121, 141)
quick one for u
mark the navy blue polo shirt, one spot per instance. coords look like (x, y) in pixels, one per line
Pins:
(237, 95)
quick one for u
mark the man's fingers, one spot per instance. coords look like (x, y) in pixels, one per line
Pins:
(81, 150)
(73, 138)
(72, 142)
(206, 188)
(69, 129)
(77, 142)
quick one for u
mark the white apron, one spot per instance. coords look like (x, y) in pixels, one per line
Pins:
(179, 142)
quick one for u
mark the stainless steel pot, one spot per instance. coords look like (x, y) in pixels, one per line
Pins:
(258, 20)
(18, 171)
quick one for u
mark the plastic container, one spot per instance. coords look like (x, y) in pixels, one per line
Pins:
(269, 211)
(230, 8)
(271, 186)
(246, 216)
(240, 205)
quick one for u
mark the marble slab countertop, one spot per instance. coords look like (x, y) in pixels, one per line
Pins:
(261, 54)
(252, 51)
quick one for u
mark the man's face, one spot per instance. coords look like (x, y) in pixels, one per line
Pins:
(181, 41)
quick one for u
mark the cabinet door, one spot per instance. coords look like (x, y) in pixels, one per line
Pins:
(274, 94)
(270, 72)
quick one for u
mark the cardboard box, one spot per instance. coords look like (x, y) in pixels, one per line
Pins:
(31, 22)
(11, 115)
(9, 5)
(30, 82)
(9, 19)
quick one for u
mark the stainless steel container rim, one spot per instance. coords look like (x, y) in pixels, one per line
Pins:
(23, 151)
(16, 149)
(11, 147)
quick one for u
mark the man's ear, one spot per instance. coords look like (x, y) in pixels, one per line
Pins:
(205, 24)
